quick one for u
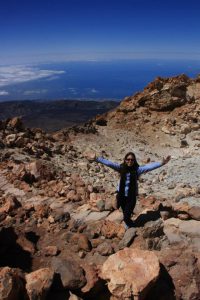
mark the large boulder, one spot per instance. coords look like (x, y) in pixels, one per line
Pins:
(130, 272)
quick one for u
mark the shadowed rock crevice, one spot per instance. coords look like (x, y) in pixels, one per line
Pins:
(12, 254)
(164, 287)
(32, 236)
(99, 291)
(58, 291)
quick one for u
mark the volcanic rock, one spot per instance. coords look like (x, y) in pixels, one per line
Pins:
(11, 284)
(71, 274)
(38, 283)
(130, 272)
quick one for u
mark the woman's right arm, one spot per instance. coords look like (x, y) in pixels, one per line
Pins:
(108, 163)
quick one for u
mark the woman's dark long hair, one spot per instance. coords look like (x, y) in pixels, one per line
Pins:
(124, 168)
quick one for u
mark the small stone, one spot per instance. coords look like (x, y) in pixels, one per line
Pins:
(81, 254)
(183, 216)
(51, 251)
(165, 215)
(51, 220)
(105, 249)
(100, 205)
(184, 144)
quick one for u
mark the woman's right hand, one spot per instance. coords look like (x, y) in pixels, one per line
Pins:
(91, 156)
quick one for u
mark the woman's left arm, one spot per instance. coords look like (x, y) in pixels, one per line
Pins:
(153, 166)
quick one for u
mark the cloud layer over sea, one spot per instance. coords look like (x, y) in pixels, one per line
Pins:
(16, 74)
(113, 79)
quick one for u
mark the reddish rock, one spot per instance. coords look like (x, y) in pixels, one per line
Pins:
(82, 241)
(130, 272)
(73, 196)
(38, 283)
(11, 284)
(182, 265)
(91, 273)
(96, 242)
(25, 244)
(11, 203)
(194, 212)
(42, 210)
(111, 229)
(51, 251)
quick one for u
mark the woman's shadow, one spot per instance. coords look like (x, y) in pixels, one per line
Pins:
(142, 219)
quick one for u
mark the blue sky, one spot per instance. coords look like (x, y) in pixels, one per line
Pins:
(55, 30)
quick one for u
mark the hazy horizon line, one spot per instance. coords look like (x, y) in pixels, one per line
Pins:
(74, 56)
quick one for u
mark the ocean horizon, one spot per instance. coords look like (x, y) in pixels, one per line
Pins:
(87, 80)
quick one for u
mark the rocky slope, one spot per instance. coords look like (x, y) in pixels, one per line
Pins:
(61, 236)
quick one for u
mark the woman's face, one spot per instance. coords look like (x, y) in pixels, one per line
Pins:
(130, 160)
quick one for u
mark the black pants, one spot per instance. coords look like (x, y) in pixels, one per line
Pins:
(127, 206)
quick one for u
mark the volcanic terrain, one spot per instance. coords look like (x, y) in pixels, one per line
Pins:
(61, 236)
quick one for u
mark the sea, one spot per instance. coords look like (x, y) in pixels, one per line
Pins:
(90, 80)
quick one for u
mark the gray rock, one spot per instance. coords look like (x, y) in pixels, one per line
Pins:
(153, 229)
(100, 205)
(96, 216)
(190, 228)
(72, 275)
(128, 238)
(105, 248)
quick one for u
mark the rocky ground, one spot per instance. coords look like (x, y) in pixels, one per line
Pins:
(61, 236)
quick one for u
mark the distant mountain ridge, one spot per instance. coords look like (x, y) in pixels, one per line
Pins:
(54, 115)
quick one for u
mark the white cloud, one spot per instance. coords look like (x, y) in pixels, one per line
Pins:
(35, 92)
(16, 74)
(4, 93)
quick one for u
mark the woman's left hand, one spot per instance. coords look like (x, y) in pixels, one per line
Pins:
(166, 160)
